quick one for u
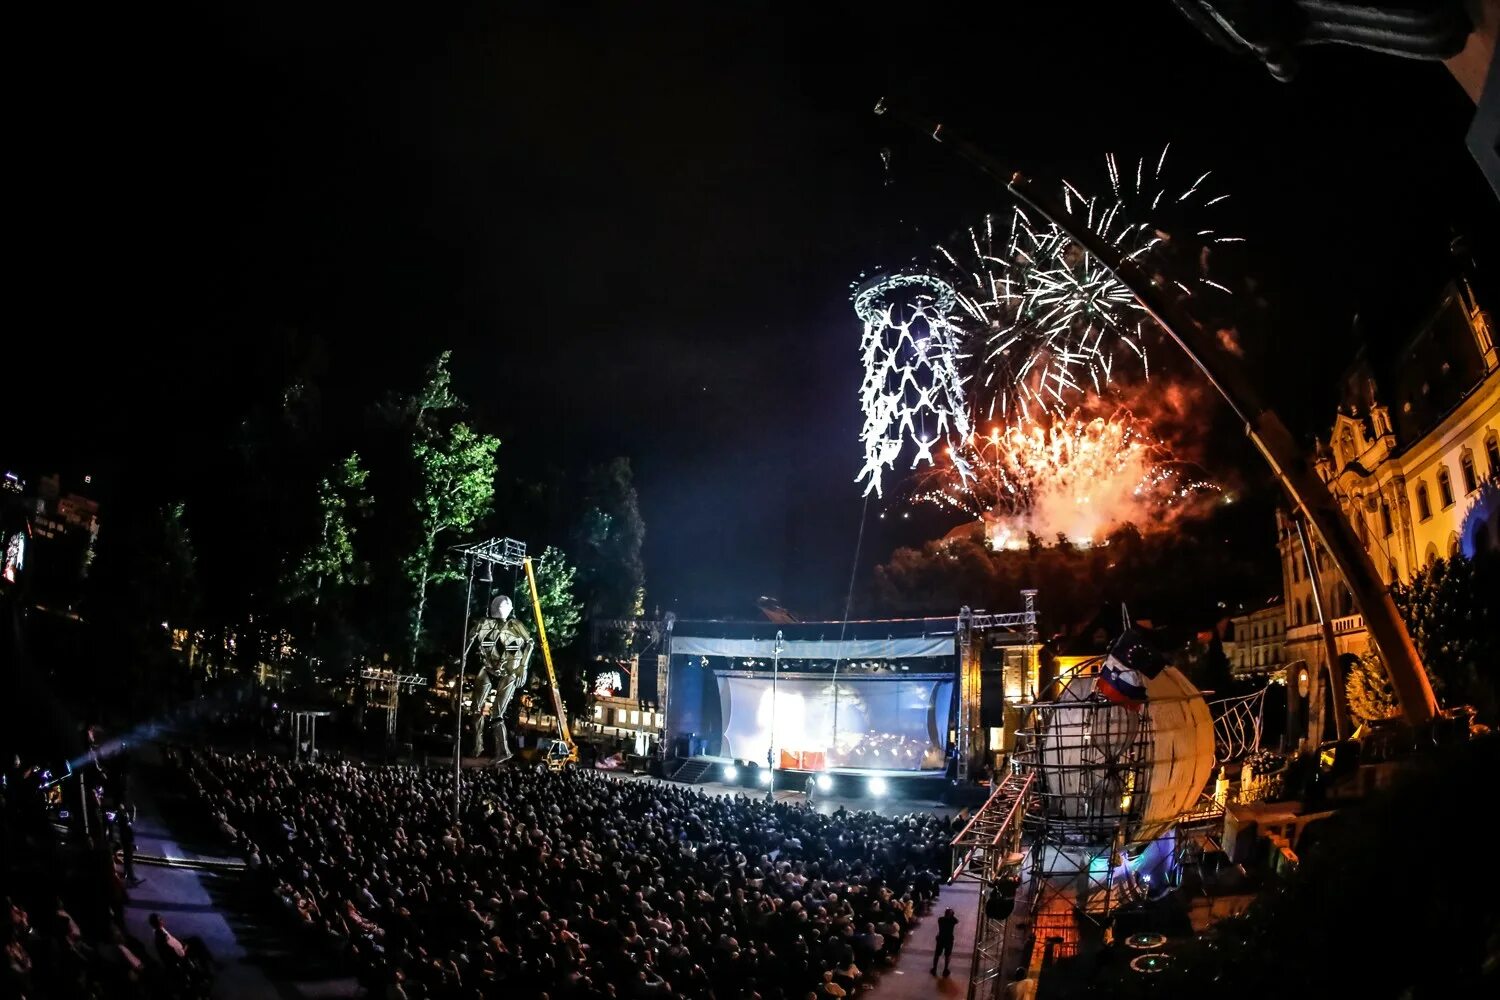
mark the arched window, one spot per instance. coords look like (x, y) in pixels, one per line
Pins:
(1424, 505)
(1452, 544)
(1445, 487)
(1385, 519)
(1492, 452)
(1394, 575)
(1466, 469)
(1430, 558)
(1312, 616)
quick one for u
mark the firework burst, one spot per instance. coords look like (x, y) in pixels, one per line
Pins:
(1070, 475)
(1021, 329)
(1046, 323)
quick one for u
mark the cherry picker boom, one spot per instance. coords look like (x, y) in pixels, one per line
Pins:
(563, 751)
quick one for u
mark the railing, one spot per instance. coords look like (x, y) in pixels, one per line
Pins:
(1299, 632)
(1349, 623)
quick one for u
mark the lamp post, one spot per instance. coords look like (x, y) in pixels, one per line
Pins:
(773, 754)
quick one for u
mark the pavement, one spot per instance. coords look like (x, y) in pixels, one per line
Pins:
(258, 958)
(912, 977)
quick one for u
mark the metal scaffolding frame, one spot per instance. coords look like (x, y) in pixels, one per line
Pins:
(389, 684)
(970, 663)
(988, 851)
(1077, 820)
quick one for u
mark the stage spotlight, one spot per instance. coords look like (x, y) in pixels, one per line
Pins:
(825, 783)
(731, 773)
(765, 777)
(877, 787)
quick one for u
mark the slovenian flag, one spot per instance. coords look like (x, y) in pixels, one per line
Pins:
(1131, 662)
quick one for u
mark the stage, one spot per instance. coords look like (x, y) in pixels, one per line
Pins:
(858, 772)
(866, 783)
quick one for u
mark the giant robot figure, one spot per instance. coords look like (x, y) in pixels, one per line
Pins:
(505, 649)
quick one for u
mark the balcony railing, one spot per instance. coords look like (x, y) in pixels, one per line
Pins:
(1348, 623)
(1341, 626)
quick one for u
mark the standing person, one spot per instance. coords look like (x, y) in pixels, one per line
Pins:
(946, 923)
(125, 828)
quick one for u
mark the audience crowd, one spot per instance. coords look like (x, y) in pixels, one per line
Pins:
(62, 896)
(576, 884)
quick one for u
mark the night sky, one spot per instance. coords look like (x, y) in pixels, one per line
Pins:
(637, 229)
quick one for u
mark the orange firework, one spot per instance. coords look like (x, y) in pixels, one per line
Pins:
(1070, 475)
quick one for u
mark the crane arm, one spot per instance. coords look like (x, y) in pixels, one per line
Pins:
(563, 732)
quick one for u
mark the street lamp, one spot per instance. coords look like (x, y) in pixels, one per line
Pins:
(773, 754)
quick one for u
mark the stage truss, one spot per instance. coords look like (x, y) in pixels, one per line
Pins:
(388, 685)
(970, 627)
(988, 851)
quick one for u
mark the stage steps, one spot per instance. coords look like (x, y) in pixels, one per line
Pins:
(694, 772)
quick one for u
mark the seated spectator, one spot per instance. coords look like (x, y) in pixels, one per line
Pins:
(576, 884)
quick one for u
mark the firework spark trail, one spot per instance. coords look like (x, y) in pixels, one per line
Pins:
(1050, 315)
(1023, 328)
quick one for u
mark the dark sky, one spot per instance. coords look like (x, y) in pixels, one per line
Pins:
(636, 226)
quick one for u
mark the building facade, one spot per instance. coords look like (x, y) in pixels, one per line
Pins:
(1256, 644)
(1412, 459)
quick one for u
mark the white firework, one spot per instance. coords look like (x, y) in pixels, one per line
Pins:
(1045, 322)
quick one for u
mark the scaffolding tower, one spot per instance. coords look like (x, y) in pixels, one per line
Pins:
(988, 851)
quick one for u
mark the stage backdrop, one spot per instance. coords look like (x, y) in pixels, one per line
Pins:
(895, 721)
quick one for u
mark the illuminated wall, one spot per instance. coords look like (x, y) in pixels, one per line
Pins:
(894, 722)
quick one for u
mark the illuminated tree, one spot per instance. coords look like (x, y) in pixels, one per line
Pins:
(455, 467)
(331, 560)
(562, 611)
(609, 538)
(1451, 612)
(1369, 688)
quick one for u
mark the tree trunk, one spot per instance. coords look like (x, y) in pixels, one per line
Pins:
(416, 627)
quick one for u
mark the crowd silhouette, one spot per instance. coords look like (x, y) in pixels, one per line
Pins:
(573, 885)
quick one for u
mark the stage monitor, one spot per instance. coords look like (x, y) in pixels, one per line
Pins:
(895, 721)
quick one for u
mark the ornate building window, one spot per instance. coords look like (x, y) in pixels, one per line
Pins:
(1452, 544)
(1424, 505)
(1393, 575)
(1492, 452)
(1431, 555)
(1466, 469)
(1385, 519)
(1445, 487)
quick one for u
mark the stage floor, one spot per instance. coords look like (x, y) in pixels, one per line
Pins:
(857, 772)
